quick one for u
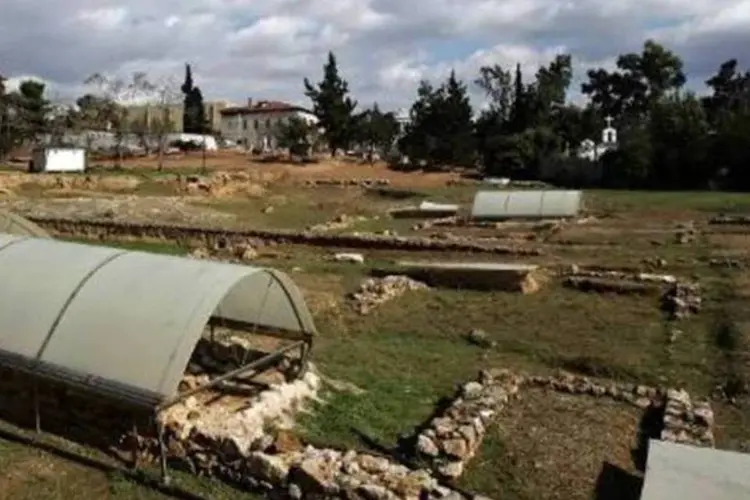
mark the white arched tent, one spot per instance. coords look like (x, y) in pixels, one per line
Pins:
(529, 204)
(125, 323)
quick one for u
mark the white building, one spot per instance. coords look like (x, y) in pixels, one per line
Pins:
(589, 150)
(256, 125)
(58, 159)
(403, 118)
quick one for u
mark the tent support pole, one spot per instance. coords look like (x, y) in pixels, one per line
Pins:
(165, 478)
(254, 365)
(135, 443)
(37, 416)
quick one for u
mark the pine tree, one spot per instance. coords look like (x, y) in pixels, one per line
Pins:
(458, 127)
(193, 114)
(332, 106)
(441, 130)
(187, 90)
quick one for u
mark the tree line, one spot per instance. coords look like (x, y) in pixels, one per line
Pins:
(669, 137)
(27, 114)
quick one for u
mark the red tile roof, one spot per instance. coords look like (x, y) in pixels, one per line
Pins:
(263, 107)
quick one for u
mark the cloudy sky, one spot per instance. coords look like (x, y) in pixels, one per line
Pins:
(264, 48)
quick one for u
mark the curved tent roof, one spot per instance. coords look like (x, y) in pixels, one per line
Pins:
(11, 223)
(526, 204)
(126, 323)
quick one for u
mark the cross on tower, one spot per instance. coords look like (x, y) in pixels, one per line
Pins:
(609, 119)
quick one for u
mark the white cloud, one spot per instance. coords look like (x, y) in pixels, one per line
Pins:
(241, 48)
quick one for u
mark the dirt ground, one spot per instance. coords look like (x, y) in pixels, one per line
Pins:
(324, 169)
(556, 446)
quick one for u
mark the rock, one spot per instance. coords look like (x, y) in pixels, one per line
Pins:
(314, 477)
(262, 443)
(287, 442)
(246, 253)
(267, 467)
(355, 258)
(376, 492)
(454, 495)
(455, 448)
(427, 446)
(294, 492)
(472, 390)
(451, 469)
(479, 337)
(443, 426)
(642, 403)
(470, 434)
(704, 415)
(373, 464)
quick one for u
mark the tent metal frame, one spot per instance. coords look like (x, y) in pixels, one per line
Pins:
(135, 399)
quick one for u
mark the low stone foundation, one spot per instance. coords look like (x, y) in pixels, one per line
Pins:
(225, 240)
(453, 437)
(679, 299)
(733, 220)
(363, 183)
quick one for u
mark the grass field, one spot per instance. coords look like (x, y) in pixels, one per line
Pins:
(410, 353)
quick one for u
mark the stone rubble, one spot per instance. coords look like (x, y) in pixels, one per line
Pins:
(342, 221)
(452, 438)
(376, 291)
(686, 233)
(681, 300)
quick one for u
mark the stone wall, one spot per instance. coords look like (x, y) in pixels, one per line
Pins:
(452, 438)
(92, 420)
(687, 422)
(223, 239)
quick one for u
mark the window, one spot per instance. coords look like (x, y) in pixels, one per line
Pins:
(268, 123)
(255, 125)
(244, 124)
